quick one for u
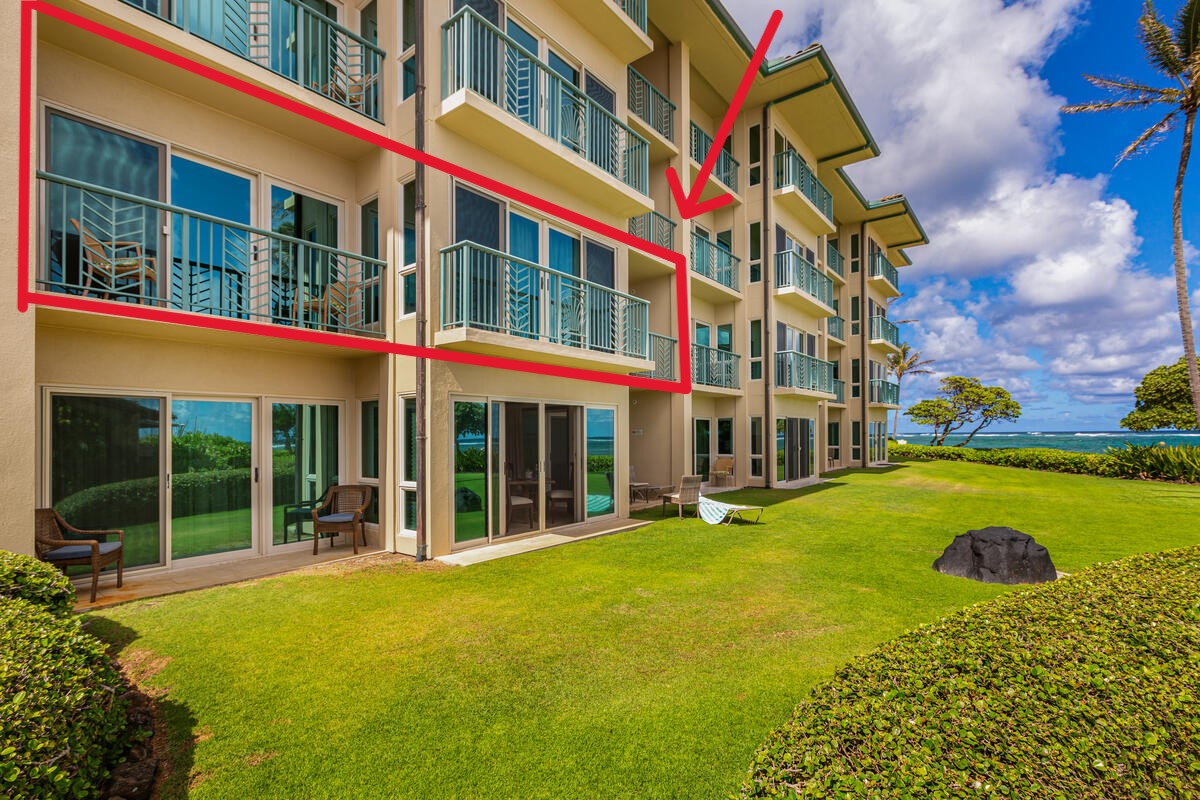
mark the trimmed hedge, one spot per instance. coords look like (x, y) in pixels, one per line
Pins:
(1086, 687)
(1132, 461)
(62, 719)
(26, 578)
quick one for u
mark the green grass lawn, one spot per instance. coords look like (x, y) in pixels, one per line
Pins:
(649, 664)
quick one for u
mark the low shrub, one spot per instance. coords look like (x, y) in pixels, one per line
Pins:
(1161, 463)
(599, 464)
(27, 578)
(62, 720)
(1082, 688)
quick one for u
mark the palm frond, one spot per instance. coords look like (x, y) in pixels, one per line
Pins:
(1160, 43)
(1149, 137)
(1107, 105)
(1129, 89)
(1187, 28)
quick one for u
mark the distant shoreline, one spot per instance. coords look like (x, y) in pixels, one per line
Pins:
(1075, 441)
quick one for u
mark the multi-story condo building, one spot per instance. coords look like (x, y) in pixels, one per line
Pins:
(165, 197)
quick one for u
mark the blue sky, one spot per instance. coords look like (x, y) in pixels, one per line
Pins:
(1049, 270)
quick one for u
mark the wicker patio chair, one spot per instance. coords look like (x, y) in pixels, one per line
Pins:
(347, 504)
(116, 266)
(58, 542)
(688, 494)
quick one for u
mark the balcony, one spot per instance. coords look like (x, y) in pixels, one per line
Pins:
(836, 328)
(799, 191)
(653, 116)
(834, 260)
(720, 267)
(662, 353)
(654, 228)
(839, 392)
(885, 276)
(488, 81)
(800, 284)
(884, 332)
(724, 176)
(885, 393)
(798, 373)
(287, 38)
(119, 247)
(621, 25)
(715, 369)
(498, 304)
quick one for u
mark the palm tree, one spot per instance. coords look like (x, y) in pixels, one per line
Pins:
(906, 362)
(1174, 52)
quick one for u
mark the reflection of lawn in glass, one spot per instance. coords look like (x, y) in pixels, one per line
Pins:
(599, 495)
(302, 516)
(470, 525)
(218, 532)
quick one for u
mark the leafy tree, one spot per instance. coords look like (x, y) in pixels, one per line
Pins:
(1163, 401)
(906, 362)
(1175, 52)
(964, 402)
(470, 419)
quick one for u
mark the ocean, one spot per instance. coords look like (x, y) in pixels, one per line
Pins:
(1078, 441)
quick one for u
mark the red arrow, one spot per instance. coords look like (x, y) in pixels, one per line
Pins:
(689, 203)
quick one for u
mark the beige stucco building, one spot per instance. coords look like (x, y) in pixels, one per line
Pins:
(153, 187)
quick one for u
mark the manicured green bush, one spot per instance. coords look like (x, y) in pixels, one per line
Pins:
(62, 720)
(1082, 688)
(472, 459)
(27, 578)
(599, 464)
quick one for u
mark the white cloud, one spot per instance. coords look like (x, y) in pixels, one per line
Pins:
(1032, 278)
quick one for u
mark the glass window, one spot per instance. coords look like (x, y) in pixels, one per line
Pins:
(408, 290)
(408, 413)
(601, 466)
(755, 147)
(408, 77)
(725, 436)
(564, 252)
(756, 447)
(755, 252)
(105, 468)
(408, 24)
(488, 9)
(477, 218)
(725, 338)
(368, 23)
(601, 264)
(304, 464)
(369, 428)
(703, 334)
(702, 446)
(217, 262)
(756, 349)
(409, 508)
(470, 471)
(369, 228)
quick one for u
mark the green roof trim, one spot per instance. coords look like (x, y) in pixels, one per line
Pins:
(773, 66)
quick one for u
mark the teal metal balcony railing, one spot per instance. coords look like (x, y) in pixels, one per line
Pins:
(800, 371)
(837, 327)
(726, 170)
(636, 10)
(883, 329)
(791, 171)
(834, 259)
(108, 245)
(794, 271)
(654, 228)
(662, 353)
(885, 392)
(713, 367)
(476, 55)
(882, 268)
(715, 262)
(290, 39)
(839, 391)
(489, 290)
(650, 104)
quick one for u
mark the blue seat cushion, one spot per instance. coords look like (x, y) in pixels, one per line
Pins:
(336, 518)
(80, 551)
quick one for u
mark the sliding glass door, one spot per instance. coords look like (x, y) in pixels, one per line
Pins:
(305, 462)
(212, 487)
(106, 468)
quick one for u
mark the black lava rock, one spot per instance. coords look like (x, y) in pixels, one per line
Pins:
(997, 555)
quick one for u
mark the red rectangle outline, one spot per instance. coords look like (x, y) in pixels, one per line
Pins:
(27, 297)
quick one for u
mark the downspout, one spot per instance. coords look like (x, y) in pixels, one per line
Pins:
(864, 330)
(422, 264)
(768, 268)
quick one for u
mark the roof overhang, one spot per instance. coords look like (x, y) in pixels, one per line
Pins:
(803, 88)
(892, 219)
